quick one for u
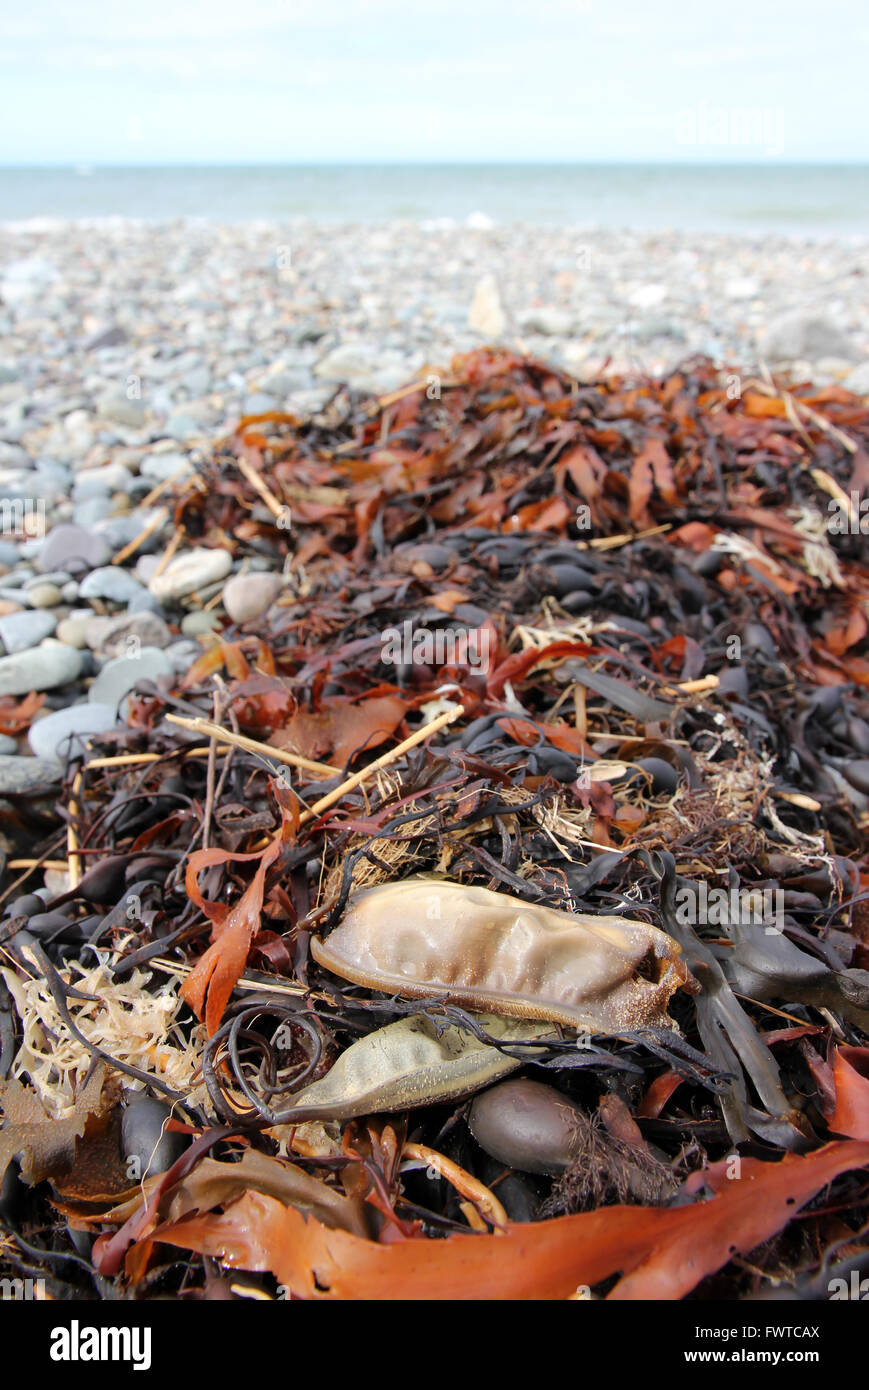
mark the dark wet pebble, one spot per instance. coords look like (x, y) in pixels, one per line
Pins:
(526, 1125)
(144, 1138)
(566, 579)
(26, 905)
(577, 601)
(858, 735)
(857, 773)
(664, 776)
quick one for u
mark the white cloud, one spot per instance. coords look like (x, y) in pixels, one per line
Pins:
(547, 79)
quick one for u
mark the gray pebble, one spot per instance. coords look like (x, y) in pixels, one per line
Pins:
(124, 632)
(72, 547)
(199, 622)
(8, 553)
(122, 411)
(259, 403)
(248, 596)
(20, 631)
(110, 582)
(123, 673)
(144, 602)
(182, 655)
(187, 573)
(43, 595)
(41, 668)
(182, 427)
(88, 513)
(67, 729)
(100, 482)
(20, 774)
(158, 467)
(73, 630)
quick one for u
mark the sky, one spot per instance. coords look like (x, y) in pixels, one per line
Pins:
(310, 81)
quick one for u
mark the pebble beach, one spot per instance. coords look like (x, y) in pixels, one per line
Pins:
(126, 346)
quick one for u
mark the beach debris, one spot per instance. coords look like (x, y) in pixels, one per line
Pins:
(491, 951)
(658, 1253)
(414, 1061)
(597, 652)
(44, 1145)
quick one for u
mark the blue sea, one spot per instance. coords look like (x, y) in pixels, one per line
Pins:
(798, 200)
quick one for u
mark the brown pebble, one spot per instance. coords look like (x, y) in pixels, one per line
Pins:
(526, 1125)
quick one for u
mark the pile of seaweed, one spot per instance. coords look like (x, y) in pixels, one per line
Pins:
(594, 648)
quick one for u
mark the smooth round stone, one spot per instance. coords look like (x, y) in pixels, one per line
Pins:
(8, 744)
(138, 490)
(50, 737)
(116, 531)
(189, 572)
(88, 513)
(26, 905)
(124, 633)
(182, 427)
(159, 467)
(248, 596)
(109, 582)
(664, 776)
(18, 774)
(117, 408)
(17, 578)
(145, 603)
(144, 570)
(58, 577)
(95, 632)
(20, 631)
(857, 773)
(68, 546)
(123, 673)
(182, 655)
(97, 482)
(43, 595)
(260, 403)
(144, 1136)
(199, 622)
(41, 668)
(53, 476)
(72, 631)
(526, 1125)
(69, 591)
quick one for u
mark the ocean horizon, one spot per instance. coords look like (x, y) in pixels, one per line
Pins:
(804, 200)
